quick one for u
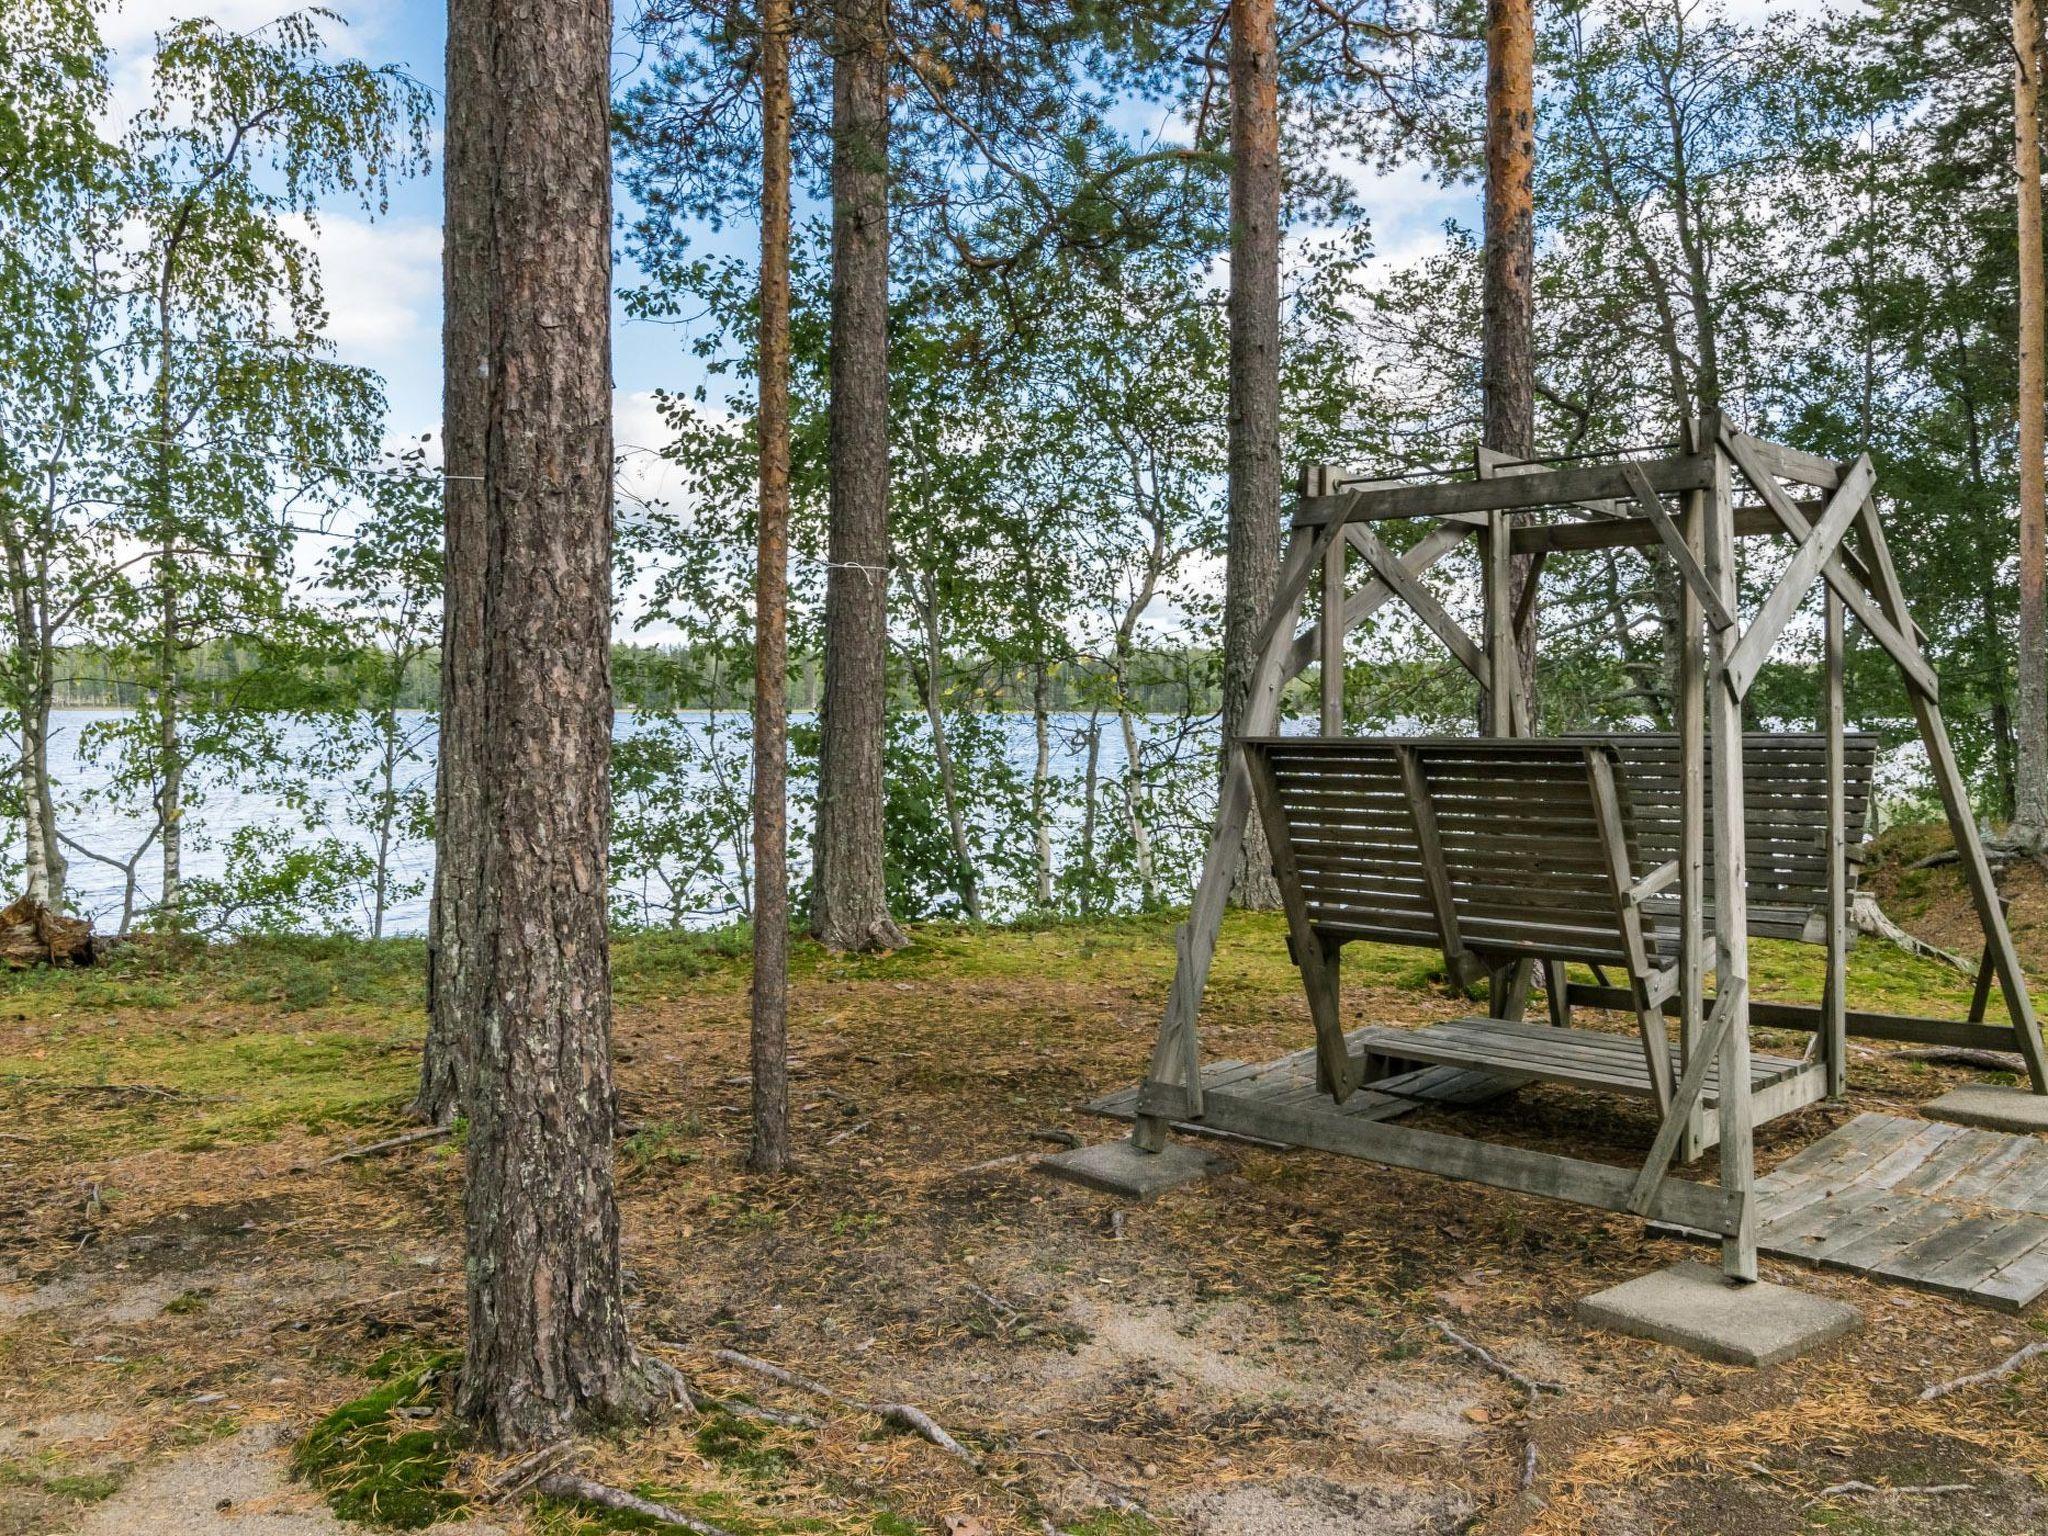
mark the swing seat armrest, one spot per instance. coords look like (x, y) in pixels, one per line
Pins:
(1656, 880)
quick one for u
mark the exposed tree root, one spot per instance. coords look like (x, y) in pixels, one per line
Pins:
(566, 1485)
(1963, 1056)
(1866, 916)
(390, 1144)
(2004, 1367)
(904, 1415)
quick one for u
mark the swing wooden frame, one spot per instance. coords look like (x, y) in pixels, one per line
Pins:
(1816, 504)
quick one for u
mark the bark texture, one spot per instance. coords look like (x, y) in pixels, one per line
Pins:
(770, 1037)
(528, 177)
(467, 255)
(1508, 362)
(2030, 819)
(849, 898)
(1253, 547)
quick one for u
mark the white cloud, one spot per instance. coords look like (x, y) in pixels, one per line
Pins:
(132, 24)
(383, 285)
(638, 436)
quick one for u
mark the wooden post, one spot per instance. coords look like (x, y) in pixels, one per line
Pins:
(1692, 803)
(1320, 480)
(1503, 711)
(1176, 1053)
(1496, 599)
(1731, 916)
(1834, 1035)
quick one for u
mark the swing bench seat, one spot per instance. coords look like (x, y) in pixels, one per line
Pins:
(1492, 850)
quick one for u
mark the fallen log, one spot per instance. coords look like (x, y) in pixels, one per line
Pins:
(31, 934)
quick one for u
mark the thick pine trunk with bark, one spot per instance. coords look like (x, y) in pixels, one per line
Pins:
(1508, 363)
(1253, 550)
(770, 1025)
(849, 899)
(2030, 819)
(466, 270)
(528, 175)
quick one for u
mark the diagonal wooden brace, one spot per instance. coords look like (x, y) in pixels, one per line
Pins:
(1901, 647)
(1388, 567)
(1815, 550)
(1705, 1051)
(1372, 593)
(1681, 554)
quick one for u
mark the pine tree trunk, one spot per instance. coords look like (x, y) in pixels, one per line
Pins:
(849, 900)
(528, 176)
(2030, 820)
(1253, 552)
(770, 1040)
(1508, 364)
(467, 256)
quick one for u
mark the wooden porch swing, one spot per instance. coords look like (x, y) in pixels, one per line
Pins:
(1652, 856)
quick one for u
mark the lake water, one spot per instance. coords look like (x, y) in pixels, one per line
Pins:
(92, 816)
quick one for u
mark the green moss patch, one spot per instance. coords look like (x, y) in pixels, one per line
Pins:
(380, 1466)
(60, 1480)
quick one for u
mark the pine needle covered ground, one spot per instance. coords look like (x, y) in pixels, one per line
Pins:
(191, 1297)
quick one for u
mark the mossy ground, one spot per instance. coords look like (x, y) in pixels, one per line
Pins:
(180, 1264)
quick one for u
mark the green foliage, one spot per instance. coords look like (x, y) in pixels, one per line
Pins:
(377, 1465)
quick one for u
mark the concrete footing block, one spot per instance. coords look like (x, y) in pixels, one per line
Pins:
(1991, 1106)
(1118, 1168)
(1697, 1308)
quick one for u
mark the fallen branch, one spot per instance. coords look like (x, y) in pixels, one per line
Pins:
(392, 1144)
(1057, 1136)
(1964, 1056)
(904, 1415)
(1866, 916)
(918, 1422)
(527, 1470)
(1857, 1485)
(566, 1485)
(1494, 1363)
(2004, 1368)
(994, 1163)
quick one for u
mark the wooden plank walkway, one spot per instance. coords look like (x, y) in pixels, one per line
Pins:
(1945, 1208)
(1938, 1207)
(1291, 1079)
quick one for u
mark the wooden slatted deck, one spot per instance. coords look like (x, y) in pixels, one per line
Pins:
(1587, 1058)
(1291, 1079)
(1938, 1207)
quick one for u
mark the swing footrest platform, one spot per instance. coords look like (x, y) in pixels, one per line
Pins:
(1583, 1058)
